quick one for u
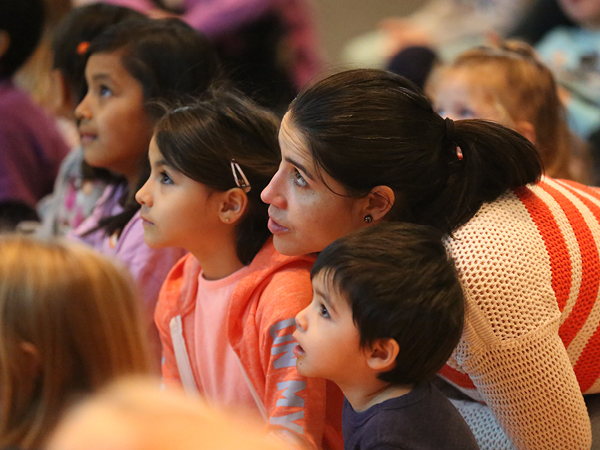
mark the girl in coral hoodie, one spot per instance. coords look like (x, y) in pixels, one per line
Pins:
(226, 311)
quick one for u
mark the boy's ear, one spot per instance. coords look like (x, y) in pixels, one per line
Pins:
(4, 42)
(379, 201)
(233, 205)
(381, 356)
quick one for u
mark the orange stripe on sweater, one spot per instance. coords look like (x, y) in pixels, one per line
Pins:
(593, 191)
(458, 378)
(590, 270)
(587, 368)
(555, 243)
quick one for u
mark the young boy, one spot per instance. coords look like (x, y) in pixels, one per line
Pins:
(386, 314)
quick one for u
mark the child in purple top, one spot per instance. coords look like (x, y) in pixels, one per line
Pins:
(78, 186)
(31, 147)
(386, 314)
(130, 67)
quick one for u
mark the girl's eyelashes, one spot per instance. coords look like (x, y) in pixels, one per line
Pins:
(298, 179)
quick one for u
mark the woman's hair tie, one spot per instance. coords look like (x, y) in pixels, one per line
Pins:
(449, 137)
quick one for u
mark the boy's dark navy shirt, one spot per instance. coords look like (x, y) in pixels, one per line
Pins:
(423, 419)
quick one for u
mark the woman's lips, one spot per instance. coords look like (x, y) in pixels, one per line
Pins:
(275, 228)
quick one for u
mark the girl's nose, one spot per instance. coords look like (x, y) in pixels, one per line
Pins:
(143, 196)
(301, 322)
(83, 112)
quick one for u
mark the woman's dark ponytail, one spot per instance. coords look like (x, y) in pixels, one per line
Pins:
(486, 159)
(367, 128)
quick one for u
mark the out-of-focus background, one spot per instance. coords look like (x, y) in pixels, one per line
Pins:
(341, 20)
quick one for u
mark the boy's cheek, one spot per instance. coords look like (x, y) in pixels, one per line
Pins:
(301, 367)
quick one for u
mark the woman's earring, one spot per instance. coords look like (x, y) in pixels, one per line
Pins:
(368, 218)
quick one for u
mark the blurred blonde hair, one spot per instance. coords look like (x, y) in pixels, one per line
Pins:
(78, 316)
(519, 85)
(133, 414)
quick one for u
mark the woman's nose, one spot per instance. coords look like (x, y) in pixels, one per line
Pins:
(272, 193)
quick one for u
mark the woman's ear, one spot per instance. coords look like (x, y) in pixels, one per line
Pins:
(381, 355)
(233, 205)
(379, 202)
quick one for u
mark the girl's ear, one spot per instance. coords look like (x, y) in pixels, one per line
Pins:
(379, 201)
(4, 42)
(233, 205)
(381, 356)
(31, 358)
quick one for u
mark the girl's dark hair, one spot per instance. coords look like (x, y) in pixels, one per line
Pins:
(399, 283)
(203, 139)
(367, 128)
(78, 27)
(172, 62)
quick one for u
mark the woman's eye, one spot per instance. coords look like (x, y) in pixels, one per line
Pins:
(298, 179)
(165, 178)
(323, 311)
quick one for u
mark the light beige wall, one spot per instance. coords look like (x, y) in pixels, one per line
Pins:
(341, 20)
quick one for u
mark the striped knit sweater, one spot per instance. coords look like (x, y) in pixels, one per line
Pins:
(530, 267)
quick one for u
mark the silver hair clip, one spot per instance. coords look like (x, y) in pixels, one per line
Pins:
(239, 177)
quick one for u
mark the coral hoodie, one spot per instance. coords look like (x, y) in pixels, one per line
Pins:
(260, 323)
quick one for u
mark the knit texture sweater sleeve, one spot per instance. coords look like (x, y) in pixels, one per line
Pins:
(530, 313)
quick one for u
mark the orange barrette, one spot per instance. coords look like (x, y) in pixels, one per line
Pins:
(83, 47)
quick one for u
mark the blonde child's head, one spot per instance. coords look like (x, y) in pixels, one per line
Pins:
(509, 85)
(70, 323)
(133, 414)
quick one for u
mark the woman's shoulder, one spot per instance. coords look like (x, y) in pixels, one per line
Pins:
(520, 255)
(548, 204)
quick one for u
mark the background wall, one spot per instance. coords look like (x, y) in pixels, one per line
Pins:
(341, 20)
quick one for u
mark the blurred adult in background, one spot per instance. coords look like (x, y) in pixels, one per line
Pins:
(31, 147)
